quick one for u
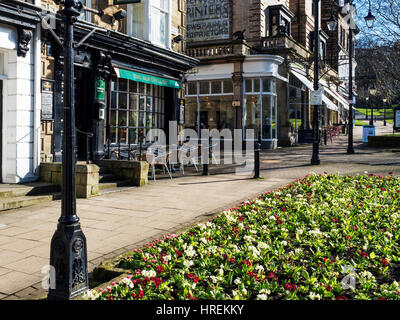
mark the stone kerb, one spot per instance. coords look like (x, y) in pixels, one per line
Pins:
(86, 178)
(134, 171)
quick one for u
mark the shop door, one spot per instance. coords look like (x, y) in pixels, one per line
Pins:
(1, 130)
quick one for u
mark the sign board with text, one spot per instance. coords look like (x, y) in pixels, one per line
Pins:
(396, 122)
(367, 132)
(316, 97)
(208, 20)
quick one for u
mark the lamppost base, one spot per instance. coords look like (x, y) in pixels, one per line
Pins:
(68, 257)
(350, 151)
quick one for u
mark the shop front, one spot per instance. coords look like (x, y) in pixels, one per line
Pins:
(216, 99)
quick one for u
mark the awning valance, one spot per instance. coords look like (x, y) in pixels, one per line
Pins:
(310, 85)
(146, 78)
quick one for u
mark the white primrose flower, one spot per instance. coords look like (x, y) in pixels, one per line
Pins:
(128, 282)
(314, 296)
(167, 258)
(259, 268)
(149, 273)
(262, 297)
(237, 281)
(284, 243)
(213, 279)
(91, 294)
(190, 252)
(188, 263)
(262, 245)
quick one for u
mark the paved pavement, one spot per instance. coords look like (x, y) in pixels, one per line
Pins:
(117, 222)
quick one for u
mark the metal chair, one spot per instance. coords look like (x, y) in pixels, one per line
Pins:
(158, 159)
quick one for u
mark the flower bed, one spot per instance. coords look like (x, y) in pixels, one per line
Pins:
(322, 237)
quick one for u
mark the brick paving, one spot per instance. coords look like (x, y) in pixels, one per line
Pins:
(118, 222)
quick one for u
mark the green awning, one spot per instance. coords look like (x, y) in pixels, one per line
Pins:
(146, 78)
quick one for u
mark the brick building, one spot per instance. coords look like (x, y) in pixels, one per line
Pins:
(256, 67)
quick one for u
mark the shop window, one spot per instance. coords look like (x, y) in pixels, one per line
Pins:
(228, 86)
(134, 106)
(150, 21)
(279, 19)
(212, 107)
(192, 88)
(260, 108)
(204, 87)
(216, 87)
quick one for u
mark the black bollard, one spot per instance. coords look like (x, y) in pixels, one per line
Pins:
(205, 165)
(257, 149)
(325, 136)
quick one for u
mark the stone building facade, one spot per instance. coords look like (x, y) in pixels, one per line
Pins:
(19, 87)
(265, 53)
(138, 61)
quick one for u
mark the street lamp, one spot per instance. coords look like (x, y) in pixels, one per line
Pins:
(372, 92)
(370, 18)
(384, 111)
(332, 25)
(68, 250)
(366, 111)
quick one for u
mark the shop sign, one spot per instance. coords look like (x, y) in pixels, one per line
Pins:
(316, 97)
(146, 78)
(396, 122)
(47, 99)
(181, 111)
(208, 20)
(235, 103)
(100, 89)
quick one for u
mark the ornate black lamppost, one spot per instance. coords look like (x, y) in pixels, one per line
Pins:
(315, 156)
(372, 92)
(384, 111)
(68, 253)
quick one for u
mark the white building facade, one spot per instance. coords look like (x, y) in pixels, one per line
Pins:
(19, 92)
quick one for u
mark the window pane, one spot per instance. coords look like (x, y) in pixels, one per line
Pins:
(113, 100)
(113, 120)
(216, 87)
(248, 85)
(133, 136)
(256, 85)
(123, 135)
(192, 87)
(136, 23)
(266, 83)
(149, 104)
(133, 86)
(133, 119)
(142, 102)
(141, 87)
(122, 118)
(149, 120)
(228, 86)
(204, 87)
(266, 117)
(141, 119)
(123, 101)
(122, 85)
(133, 101)
(252, 113)
(113, 135)
(158, 26)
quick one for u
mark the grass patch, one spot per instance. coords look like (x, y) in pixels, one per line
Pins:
(321, 237)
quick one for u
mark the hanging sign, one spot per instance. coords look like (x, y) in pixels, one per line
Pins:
(47, 99)
(146, 78)
(316, 97)
(100, 87)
